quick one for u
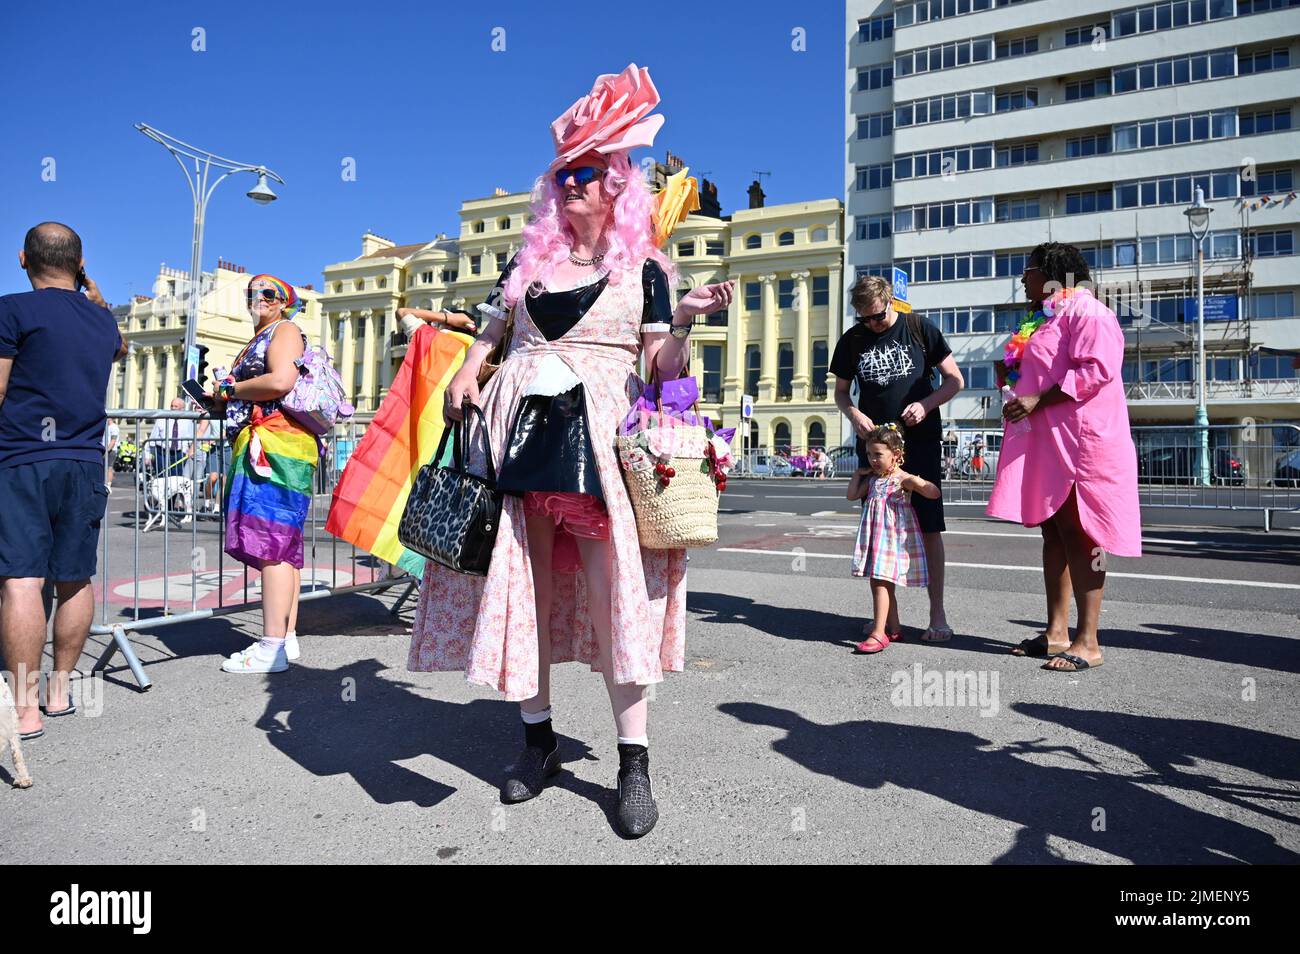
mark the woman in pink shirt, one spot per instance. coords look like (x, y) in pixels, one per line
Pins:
(1068, 464)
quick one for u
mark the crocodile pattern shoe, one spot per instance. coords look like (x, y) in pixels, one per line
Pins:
(637, 811)
(528, 775)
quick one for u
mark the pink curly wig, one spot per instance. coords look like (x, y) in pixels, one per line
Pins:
(628, 234)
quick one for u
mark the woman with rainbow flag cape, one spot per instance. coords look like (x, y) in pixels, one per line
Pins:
(273, 463)
(588, 296)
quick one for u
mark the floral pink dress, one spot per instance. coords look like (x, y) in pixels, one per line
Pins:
(1084, 443)
(487, 626)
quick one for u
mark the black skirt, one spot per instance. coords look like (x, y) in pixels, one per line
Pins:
(549, 447)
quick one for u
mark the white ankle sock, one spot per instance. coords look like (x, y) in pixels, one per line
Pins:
(268, 646)
(634, 740)
(534, 718)
(292, 633)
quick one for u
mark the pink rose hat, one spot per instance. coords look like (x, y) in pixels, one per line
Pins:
(611, 118)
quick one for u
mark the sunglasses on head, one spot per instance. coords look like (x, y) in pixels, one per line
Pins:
(266, 294)
(581, 175)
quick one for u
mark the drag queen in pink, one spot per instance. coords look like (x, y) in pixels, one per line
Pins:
(568, 581)
(1068, 464)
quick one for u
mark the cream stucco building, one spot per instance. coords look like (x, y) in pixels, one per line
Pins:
(773, 343)
(154, 328)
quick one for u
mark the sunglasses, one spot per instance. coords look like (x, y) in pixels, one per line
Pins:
(878, 316)
(581, 175)
(266, 294)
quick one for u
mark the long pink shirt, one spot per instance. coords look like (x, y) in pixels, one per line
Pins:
(1084, 443)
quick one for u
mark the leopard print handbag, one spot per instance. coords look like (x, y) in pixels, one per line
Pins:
(452, 516)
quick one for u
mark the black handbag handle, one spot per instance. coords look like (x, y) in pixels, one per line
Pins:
(460, 441)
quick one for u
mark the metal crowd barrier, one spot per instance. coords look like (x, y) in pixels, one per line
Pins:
(1252, 467)
(178, 569)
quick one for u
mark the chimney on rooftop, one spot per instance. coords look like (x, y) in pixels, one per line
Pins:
(756, 195)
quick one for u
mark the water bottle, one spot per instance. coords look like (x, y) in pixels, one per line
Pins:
(1021, 426)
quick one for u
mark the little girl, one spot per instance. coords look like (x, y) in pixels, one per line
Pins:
(889, 547)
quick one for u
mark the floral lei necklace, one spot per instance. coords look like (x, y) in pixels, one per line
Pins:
(1014, 350)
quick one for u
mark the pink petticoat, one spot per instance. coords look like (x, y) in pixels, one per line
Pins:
(582, 515)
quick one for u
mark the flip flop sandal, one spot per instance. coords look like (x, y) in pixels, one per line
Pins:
(880, 644)
(1079, 663)
(28, 736)
(1035, 647)
(70, 710)
(942, 634)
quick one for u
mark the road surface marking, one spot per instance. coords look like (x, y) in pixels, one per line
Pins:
(1265, 584)
(801, 497)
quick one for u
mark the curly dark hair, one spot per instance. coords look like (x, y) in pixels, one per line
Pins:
(887, 434)
(1060, 263)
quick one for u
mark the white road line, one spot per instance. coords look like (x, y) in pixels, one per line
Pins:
(801, 497)
(1035, 536)
(729, 494)
(1264, 584)
(827, 513)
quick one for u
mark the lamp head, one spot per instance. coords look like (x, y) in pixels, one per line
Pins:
(1198, 216)
(261, 193)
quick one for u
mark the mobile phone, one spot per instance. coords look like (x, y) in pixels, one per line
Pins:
(81, 279)
(195, 392)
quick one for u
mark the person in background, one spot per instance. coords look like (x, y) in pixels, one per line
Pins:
(112, 437)
(454, 319)
(57, 348)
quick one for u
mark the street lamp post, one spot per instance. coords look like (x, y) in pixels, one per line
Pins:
(201, 188)
(1198, 222)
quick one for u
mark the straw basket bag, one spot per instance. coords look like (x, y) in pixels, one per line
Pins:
(683, 512)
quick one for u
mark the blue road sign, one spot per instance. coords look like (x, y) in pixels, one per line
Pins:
(1217, 308)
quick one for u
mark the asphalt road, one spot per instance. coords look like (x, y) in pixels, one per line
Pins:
(776, 744)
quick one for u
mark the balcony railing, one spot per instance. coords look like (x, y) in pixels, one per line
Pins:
(716, 320)
(1259, 389)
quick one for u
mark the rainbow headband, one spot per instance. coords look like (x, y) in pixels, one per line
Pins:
(291, 303)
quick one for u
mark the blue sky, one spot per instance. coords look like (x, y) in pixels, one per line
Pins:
(412, 91)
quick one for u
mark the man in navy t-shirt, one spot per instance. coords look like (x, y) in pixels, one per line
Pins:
(57, 349)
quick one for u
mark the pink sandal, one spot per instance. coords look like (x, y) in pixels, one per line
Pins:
(893, 637)
(881, 644)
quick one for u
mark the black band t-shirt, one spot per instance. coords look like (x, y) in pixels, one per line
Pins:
(892, 369)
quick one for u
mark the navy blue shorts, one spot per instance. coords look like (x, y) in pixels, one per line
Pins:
(50, 513)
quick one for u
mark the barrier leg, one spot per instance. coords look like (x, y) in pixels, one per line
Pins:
(406, 593)
(121, 643)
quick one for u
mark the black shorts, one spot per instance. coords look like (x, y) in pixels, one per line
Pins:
(50, 515)
(922, 458)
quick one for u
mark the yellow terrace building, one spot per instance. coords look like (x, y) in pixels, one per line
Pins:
(773, 343)
(153, 327)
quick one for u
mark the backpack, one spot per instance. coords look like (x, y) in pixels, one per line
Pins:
(317, 400)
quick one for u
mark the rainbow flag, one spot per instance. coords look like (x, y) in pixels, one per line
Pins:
(371, 494)
(268, 490)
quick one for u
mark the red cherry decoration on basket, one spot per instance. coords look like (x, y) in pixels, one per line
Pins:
(670, 472)
(659, 469)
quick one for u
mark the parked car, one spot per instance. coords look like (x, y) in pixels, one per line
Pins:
(771, 465)
(1287, 471)
(1177, 465)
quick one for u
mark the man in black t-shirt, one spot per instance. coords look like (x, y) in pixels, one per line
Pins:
(892, 358)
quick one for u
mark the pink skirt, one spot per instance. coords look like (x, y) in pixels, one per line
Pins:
(576, 515)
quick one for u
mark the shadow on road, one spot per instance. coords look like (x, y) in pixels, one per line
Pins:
(787, 622)
(354, 721)
(1142, 826)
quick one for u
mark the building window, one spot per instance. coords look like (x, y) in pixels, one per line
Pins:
(781, 436)
(359, 285)
(478, 227)
(501, 261)
(938, 109)
(1273, 367)
(711, 356)
(503, 223)
(978, 377)
(785, 293)
(948, 162)
(875, 77)
(1020, 154)
(449, 275)
(876, 28)
(821, 290)
(819, 234)
(381, 283)
(1087, 89)
(1087, 35)
(1268, 182)
(1096, 200)
(872, 227)
(785, 372)
(753, 296)
(1175, 71)
(785, 238)
(715, 247)
(1265, 121)
(819, 370)
(1270, 244)
(816, 435)
(1272, 305)
(475, 265)
(686, 249)
(1020, 46)
(879, 176)
(753, 241)
(753, 368)
(875, 126)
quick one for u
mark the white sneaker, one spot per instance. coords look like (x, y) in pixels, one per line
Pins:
(186, 519)
(251, 660)
(291, 648)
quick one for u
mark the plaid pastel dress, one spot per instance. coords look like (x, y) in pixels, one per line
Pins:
(889, 545)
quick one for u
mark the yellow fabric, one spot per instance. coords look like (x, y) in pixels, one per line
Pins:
(679, 197)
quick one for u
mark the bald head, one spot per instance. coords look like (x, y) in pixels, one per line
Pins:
(51, 250)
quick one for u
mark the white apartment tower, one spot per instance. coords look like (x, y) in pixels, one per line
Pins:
(977, 129)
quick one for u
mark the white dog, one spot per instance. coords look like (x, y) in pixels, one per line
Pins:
(162, 493)
(9, 734)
